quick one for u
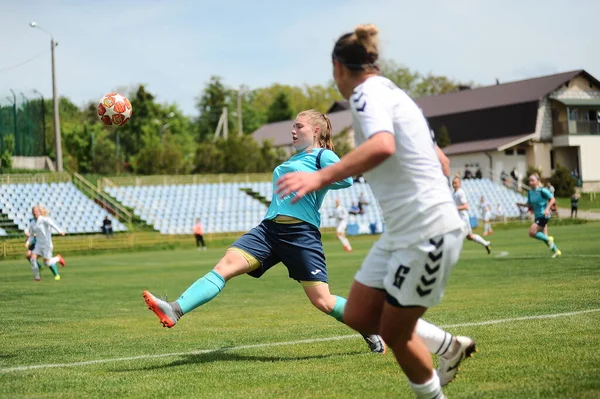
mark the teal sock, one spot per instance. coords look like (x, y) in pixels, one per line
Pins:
(202, 291)
(39, 264)
(338, 309)
(541, 236)
(53, 269)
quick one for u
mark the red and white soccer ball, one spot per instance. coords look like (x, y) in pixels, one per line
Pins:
(114, 109)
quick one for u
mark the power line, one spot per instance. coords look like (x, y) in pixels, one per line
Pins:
(23, 62)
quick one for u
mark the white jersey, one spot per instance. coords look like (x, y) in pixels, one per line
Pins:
(341, 214)
(42, 229)
(460, 198)
(410, 185)
(486, 210)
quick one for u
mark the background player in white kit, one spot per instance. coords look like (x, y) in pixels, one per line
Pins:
(408, 267)
(341, 217)
(486, 212)
(462, 204)
(41, 228)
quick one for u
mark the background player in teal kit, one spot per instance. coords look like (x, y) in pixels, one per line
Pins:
(539, 201)
(289, 234)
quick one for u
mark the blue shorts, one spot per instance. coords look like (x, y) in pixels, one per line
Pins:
(298, 246)
(542, 221)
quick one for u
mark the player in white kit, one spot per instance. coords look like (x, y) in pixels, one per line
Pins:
(341, 217)
(407, 268)
(486, 213)
(41, 228)
(462, 204)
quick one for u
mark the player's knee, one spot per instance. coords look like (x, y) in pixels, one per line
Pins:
(322, 304)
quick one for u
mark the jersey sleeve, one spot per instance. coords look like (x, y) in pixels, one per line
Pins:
(372, 114)
(51, 223)
(329, 157)
(546, 193)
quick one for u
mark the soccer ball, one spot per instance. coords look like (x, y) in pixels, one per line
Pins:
(114, 109)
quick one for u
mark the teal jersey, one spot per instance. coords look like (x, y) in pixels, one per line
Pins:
(307, 209)
(538, 199)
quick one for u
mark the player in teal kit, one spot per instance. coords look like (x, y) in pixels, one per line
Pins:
(539, 201)
(288, 234)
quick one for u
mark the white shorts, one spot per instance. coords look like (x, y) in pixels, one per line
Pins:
(487, 216)
(413, 276)
(43, 252)
(341, 227)
(468, 228)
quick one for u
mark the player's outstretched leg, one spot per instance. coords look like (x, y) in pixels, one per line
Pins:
(334, 306)
(452, 350)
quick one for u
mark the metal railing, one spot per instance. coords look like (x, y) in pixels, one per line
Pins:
(26, 178)
(187, 179)
(103, 199)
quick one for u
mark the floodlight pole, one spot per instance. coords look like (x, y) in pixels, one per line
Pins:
(55, 103)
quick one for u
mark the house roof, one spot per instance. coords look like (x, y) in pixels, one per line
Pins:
(281, 132)
(518, 92)
(522, 91)
(499, 144)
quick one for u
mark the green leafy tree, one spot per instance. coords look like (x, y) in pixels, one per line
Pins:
(563, 182)
(270, 157)
(8, 144)
(208, 159)
(280, 109)
(210, 105)
(343, 143)
(145, 110)
(443, 137)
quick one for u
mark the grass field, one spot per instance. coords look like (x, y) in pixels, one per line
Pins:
(90, 334)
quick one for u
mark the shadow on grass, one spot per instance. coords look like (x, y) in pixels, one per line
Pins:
(226, 355)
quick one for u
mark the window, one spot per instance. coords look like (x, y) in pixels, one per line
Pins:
(521, 151)
(509, 152)
(552, 159)
(573, 114)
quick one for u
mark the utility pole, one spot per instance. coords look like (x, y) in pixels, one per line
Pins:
(55, 103)
(239, 111)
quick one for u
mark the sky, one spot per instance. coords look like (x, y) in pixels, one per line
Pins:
(174, 47)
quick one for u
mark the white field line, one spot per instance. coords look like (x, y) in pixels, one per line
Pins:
(304, 341)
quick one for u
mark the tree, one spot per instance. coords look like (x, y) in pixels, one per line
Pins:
(145, 111)
(342, 143)
(443, 137)
(210, 105)
(8, 144)
(280, 109)
(563, 182)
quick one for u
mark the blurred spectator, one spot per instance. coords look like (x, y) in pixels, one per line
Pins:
(478, 174)
(468, 174)
(354, 209)
(550, 187)
(362, 201)
(199, 233)
(504, 177)
(517, 177)
(574, 204)
(107, 227)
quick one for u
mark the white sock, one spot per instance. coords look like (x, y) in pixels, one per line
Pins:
(428, 390)
(52, 261)
(479, 240)
(34, 268)
(345, 242)
(435, 339)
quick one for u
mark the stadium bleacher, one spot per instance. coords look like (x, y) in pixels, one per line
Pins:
(495, 194)
(226, 207)
(173, 209)
(68, 206)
